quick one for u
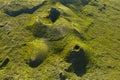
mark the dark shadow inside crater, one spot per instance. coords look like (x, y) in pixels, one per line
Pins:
(34, 63)
(54, 14)
(79, 61)
(62, 76)
(75, 2)
(76, 47)
(23, 10)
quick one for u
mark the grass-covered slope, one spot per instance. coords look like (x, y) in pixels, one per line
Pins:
(59, 40)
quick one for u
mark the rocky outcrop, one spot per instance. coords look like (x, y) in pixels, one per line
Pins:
(50, 33)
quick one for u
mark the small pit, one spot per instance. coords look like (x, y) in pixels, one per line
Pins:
(5, 62)
(76, 47)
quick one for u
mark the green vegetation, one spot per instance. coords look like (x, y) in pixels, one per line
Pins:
(59, 40)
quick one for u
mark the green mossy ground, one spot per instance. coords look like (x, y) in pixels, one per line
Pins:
(26, 39)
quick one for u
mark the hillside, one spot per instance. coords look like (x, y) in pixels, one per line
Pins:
(59, 39)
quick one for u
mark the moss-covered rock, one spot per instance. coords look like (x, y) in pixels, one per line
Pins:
(38, 52)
